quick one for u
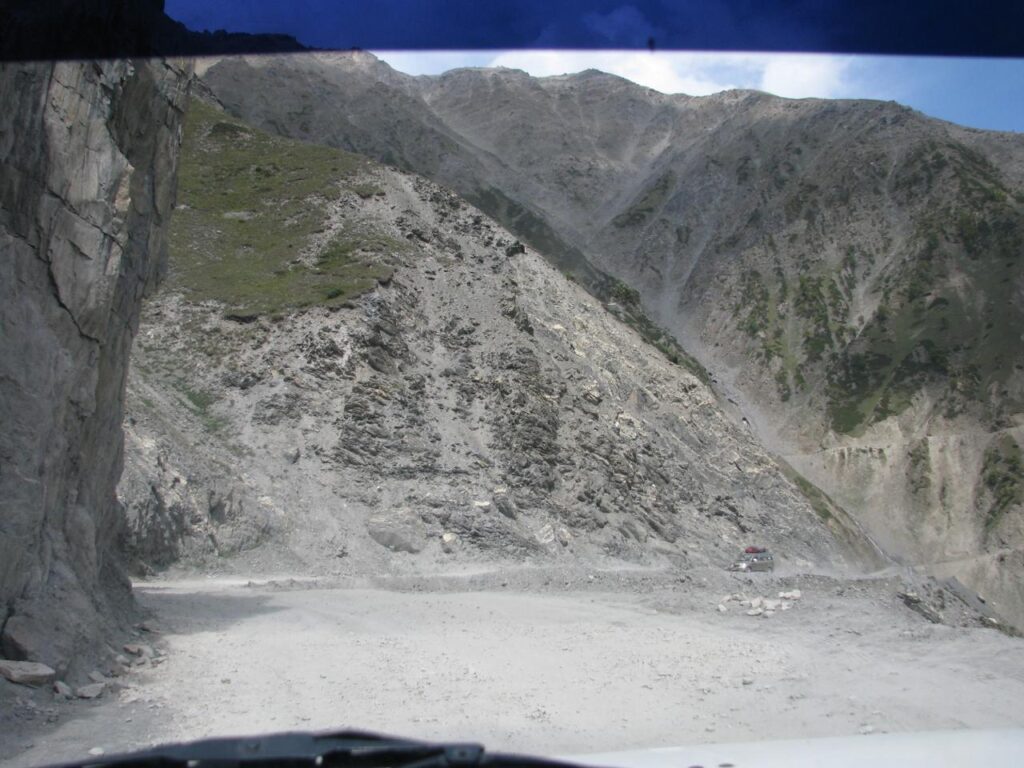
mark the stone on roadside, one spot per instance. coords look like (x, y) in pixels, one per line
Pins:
(140, 650)
(755, 612)
(722, 608)
(62, 690)
(756, 602)
(793, 594)
(97, 677)
(26, 672)
(91, 691)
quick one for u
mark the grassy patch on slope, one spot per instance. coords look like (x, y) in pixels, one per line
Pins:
(1003, 474)
(250, 203)
(949, 317)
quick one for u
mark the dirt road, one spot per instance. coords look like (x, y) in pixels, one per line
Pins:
(541, 667)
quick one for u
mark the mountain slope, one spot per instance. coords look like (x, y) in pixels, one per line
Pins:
(463, 401)
(849, 270)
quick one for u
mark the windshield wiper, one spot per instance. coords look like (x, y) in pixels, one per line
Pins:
(349, 749)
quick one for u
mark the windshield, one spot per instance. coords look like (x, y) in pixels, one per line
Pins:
(567, 402)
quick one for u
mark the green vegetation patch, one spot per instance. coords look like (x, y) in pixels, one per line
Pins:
(758, 316)
(1003, 475)
(647, 204)
(820, 502)
(249, 204)
(919, 466)
(949, 316)
(817, 301)
(629, 310)
(201, 401)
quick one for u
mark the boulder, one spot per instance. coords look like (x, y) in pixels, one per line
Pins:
(91, 691)
(26, 672)
(398, 530)
(505, 506)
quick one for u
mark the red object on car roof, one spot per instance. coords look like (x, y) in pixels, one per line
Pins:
(754, 550)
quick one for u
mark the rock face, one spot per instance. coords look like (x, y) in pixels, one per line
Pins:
(87, 181)
(850, 271)
(468, 403)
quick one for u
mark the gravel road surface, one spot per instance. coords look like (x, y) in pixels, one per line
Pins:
(540, 664)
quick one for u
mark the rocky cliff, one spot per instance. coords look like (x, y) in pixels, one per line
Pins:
(850, 271)
(87, 182)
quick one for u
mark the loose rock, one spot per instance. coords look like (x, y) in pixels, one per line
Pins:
(26, 672)
(91, 691)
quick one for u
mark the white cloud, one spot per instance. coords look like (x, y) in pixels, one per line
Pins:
(800, 75)
(433, 62)
(794, 75)
(660, 71)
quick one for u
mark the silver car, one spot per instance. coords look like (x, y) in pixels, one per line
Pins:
(756, 561)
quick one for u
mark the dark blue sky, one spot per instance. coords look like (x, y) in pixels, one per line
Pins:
(979, 92)
(954, 27)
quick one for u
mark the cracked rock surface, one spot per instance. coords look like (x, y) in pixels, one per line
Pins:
(87, 159)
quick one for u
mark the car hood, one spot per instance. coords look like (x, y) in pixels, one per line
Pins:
(926, 749)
